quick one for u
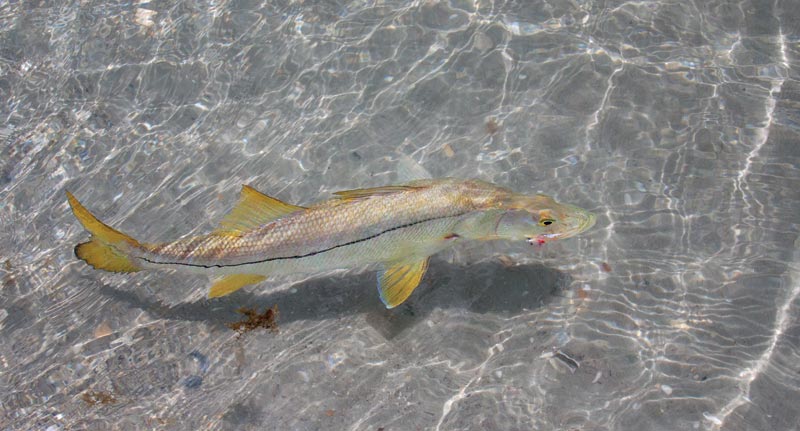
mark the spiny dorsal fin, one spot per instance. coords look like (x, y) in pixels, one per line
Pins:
(375, 191)
(409, 170)
(396, 282)
(253, 210)
(231, 283)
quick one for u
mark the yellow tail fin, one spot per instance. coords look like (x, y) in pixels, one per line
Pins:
(108, 248)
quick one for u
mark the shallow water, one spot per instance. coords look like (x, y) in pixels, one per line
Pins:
(677, 122)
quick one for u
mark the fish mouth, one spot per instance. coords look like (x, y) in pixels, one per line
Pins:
(535, 240)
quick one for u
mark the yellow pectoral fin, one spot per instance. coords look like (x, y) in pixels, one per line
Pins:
(253, 210)
(396, 282)
(231, 283)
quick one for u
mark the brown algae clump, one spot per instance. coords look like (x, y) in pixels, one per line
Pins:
(254, 320)
(94, 398)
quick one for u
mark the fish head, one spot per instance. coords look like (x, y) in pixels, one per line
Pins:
(539, 219)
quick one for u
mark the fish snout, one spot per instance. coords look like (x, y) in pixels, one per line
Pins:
(589, 221)
(582, 220)
(578, 221)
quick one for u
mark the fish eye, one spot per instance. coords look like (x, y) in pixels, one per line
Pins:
(546, 222)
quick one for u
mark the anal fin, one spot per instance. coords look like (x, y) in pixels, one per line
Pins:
(396, 282)
(231, 283)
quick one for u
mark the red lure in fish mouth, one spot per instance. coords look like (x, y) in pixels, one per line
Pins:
(538, 241)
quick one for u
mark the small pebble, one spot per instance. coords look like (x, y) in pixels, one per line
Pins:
(448, 150)
(483, 42)
(102, 330)
(583, 293)
(506, 260)
(201, 359)
(193, 381)
(666, 389)
(491, 126)
(144, 17)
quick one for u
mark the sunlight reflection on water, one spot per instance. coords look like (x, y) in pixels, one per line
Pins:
(674, 122)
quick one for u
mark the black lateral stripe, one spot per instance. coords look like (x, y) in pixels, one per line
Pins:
(313, 253)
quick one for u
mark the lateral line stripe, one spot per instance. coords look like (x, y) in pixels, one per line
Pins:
(313, 253)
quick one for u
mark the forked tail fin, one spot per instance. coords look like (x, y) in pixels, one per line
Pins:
(108, 249)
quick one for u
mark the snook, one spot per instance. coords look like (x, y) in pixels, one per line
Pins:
(397, 226)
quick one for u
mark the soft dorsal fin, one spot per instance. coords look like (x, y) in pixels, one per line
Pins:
(231, 283)
(396, 282)
(253, 210)
(375, 191)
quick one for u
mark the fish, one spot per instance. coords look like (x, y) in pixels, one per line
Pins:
(396, 227)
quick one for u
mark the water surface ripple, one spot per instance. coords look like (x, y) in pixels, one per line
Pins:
(677, 122)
